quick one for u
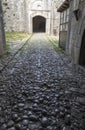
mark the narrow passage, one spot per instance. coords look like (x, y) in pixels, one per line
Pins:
(41, 90)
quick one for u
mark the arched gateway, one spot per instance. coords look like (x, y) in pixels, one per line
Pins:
(39, 24)
(26, 16)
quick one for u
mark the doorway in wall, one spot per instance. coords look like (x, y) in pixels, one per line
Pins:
(82, 51)
(39, 24)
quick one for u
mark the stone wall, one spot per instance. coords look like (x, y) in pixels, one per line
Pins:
(76, 30)
(63, 37)
(14, 15)
(18, 15)
(2, 35)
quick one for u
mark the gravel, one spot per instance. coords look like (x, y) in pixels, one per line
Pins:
(41, 90)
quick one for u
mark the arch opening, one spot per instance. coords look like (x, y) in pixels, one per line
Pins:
(82, 51)
(39, 24)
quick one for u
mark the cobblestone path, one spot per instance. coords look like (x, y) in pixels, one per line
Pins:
(41, 90)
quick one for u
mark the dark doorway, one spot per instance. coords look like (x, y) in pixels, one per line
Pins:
(82, 51)
(39, 24)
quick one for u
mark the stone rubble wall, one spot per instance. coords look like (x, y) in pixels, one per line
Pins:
(63, 37)
(14, 16)
(76, 30)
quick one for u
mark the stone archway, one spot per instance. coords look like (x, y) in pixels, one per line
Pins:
(39, 24)
(82, 51)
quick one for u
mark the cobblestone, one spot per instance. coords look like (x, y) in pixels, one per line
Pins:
(42, 90)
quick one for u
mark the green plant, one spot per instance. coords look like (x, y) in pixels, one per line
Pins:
(7, 48)
(55, 44)
(14, 36)
(5, 4)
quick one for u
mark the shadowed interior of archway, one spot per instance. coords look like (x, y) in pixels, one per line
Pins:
(39, 24)
(82, 51)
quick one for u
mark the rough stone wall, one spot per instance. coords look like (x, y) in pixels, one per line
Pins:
(62, 40)
(75, 33)
(18, 15)
(57, 17)
(14, 15)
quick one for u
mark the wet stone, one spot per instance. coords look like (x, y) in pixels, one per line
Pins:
(61, 109)
(25, 122)
(18, 126)
(21, 105)
(49, 97)
(49, 128)
(2, 120)
(82, 101)
(44, 112)
(68, 120)
(56, 111)
(30, 113)
(40, 128)
(14, 117)
(4, 126)
(33, 118)
(34, 126)
(12, 128)
(35, 105)
(18, 119)
(64, 128)
(15, 107)
(36, 101)
(61, 115)
(24, 127)
(10, 123)
(44, 122)
(24, 117)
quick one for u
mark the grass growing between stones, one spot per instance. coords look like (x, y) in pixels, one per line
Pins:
(27, 43)
(55, 43)
(15, 36)
(57, 48)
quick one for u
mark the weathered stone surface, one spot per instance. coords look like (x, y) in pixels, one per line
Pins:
(12, 128)
(33, 118)
(10, 123)
(44, 122)
(14, 117)
(75, 42)
(18, 19)
(68, 120)
(18, 126)
(25, 122)
(82, 101)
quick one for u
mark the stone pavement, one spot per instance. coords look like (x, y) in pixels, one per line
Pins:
(12, 49)
(41, 90)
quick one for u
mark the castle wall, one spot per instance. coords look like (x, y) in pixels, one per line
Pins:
(18, 15)
(14, 15)
(76, 30)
